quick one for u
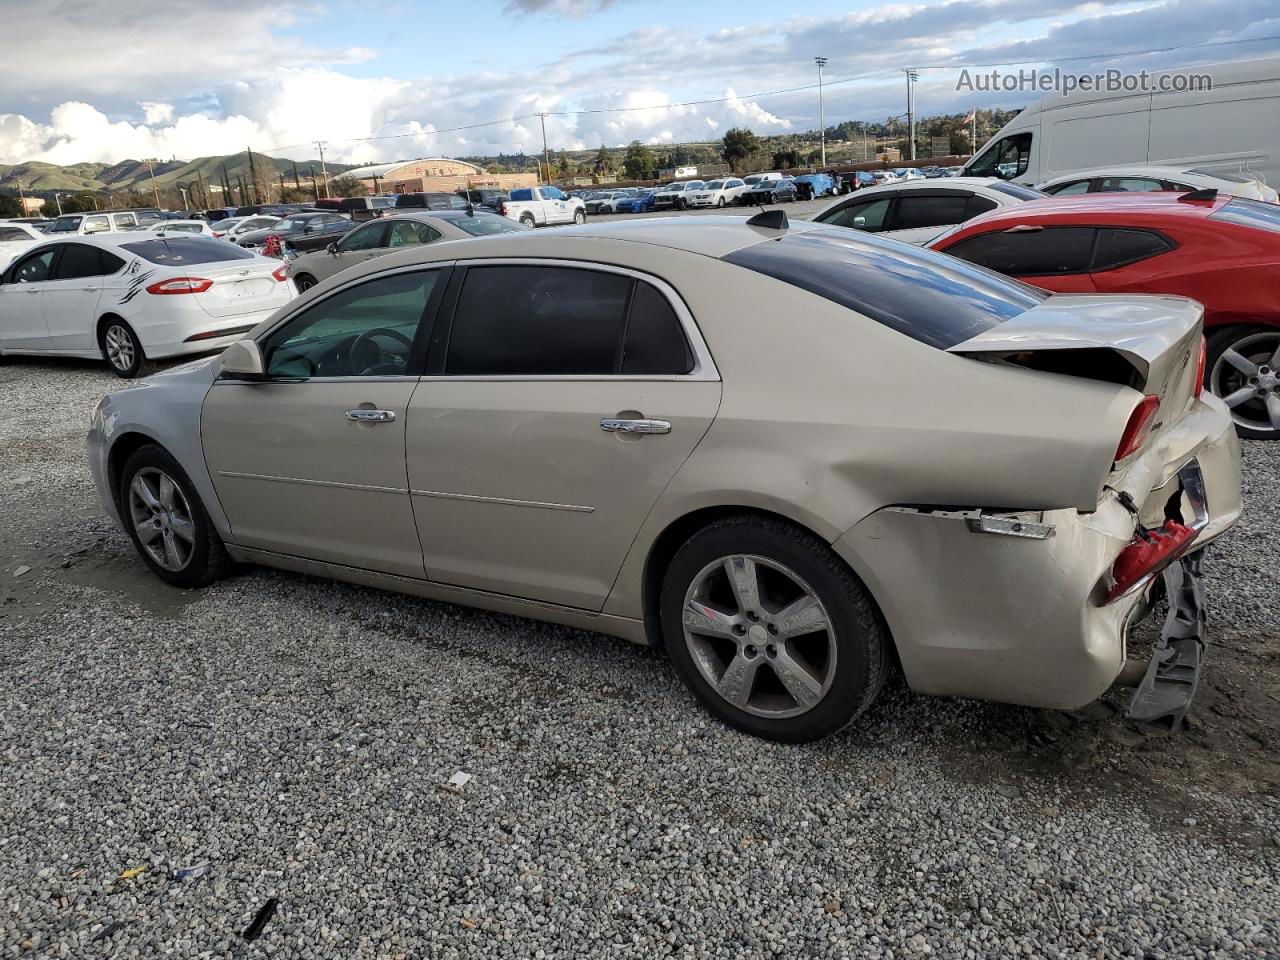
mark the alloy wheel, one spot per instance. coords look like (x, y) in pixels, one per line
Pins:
(162, 518)
(1247, 378)
(759, 636)
(119, 344)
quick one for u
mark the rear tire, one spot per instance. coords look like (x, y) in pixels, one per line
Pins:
(167, 522)
(527, 219)
(1242, 367)
(304, 281)
(796, 657)
(121, 348)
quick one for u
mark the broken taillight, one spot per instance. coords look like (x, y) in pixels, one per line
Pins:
(1148, 552)
(1138, 428)
(1204, 352)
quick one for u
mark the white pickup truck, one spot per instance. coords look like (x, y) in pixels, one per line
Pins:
(542, 207)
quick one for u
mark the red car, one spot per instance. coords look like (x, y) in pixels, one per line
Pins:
(1222, 251)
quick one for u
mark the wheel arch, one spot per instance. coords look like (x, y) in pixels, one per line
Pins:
(122, 448)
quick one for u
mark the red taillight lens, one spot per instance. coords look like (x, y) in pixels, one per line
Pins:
(1204, 352)
(1138, 427)
(1142, 557)
(502, 209)
(181, 285)
(282, 274)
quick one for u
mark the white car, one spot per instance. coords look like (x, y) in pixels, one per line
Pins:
(675, 194)
(921, 210)
(187, 227)
(1150, 179)
(15, 238)
(102, 221)
(133, 297)
(233, 228)
(717, 193)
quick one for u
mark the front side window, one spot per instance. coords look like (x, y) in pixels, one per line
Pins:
(35, 268)
(1043, 252)
(1007, 159)
(362, 331)
(868, 215)
(552, 193)
(926, 211)
(366, 238)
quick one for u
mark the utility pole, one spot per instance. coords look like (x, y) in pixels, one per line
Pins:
(155, 192)
(822, 125)
(185, 206)
(545, 157)
(324, 173)
(912, 77)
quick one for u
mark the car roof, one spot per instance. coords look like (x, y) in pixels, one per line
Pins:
(1124, 170)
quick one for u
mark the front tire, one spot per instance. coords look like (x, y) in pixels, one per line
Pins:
(771, 630)
(121, 348)
(720, 203)
(1242, 367)
(579, 217)
(166, 521)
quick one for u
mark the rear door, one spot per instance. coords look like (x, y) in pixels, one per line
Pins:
(557, 408)
(311, 463)
(71, 295)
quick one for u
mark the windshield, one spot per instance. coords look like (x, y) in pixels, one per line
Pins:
(480, 226)
(224, 224)
(66, 225)
(925, 295)
(186, 251)
(714, 185)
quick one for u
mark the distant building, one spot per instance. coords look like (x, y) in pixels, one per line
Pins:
(433, 174)
(31, 206)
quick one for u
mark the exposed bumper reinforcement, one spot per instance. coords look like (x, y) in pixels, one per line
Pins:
(1169, 685)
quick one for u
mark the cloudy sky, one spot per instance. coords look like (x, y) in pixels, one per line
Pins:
(388, 79)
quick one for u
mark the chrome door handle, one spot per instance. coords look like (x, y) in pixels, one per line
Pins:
(364, 415)
(611, 425)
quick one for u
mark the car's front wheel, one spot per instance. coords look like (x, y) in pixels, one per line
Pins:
(720, 203)
(166, 521)
(579, 217)
(121, 348)
(1242, 366)
(771, 630)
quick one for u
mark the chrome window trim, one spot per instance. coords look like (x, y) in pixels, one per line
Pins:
(704, 367)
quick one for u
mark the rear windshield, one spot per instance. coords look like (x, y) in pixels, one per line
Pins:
(928, 296)
(1250, 213)
(480, 226)
(1015, 190)
(173, 251)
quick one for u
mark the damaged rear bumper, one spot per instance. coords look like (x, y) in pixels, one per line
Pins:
(1026, 618)
(1169, 684)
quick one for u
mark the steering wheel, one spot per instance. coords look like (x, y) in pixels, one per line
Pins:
(371, 360)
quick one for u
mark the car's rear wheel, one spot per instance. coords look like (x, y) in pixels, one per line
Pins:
(1243, 368)
(121, 348)
(166, 521)
(527, 219)
(771, 630)
(304, 281)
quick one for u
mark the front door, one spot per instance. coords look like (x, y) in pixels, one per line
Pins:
(22, 325)
(566, 401)
(310, 462)
(363, 243)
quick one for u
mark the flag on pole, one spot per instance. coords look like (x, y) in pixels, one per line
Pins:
(971, 117)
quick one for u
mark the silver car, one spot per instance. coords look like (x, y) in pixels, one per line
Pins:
(696, 434)
(390, 234)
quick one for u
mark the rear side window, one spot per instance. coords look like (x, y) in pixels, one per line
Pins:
(919, 293)
(1044, 252)
(939, 211)
(78, 261)
(1075, 186)
(521, 194)
(1250, 213)
(186, 251)
(1117, 247)
(562, 321)
(868, 215)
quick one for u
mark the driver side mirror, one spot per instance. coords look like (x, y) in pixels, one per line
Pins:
(333, 248)
(242, 361)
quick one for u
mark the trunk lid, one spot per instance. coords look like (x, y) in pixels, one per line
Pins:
(1149, 343)
(240, 287)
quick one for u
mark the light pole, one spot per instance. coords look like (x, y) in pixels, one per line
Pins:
(912, 77)
(546, 158)
(59, 201)
(324, 173)
(822, 126)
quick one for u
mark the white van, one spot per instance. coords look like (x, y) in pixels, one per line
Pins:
(1230, 128)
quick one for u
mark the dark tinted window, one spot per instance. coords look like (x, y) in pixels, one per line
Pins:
(1006, 159)
(524, 194)
(1250, 213)
(537, 320)
(79, 261)
(977, 205)
(936, 211)
(1029, 253)
(1118, 247)
(186, 251)
(919, 293)
(866, 215)
(329, 339)
(8, 234)
(34, 268)
(655, 341)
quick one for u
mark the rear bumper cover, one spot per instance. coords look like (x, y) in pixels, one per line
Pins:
(1022, 620)
(1169, 685)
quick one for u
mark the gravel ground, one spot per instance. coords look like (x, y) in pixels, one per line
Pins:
(295, 734)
